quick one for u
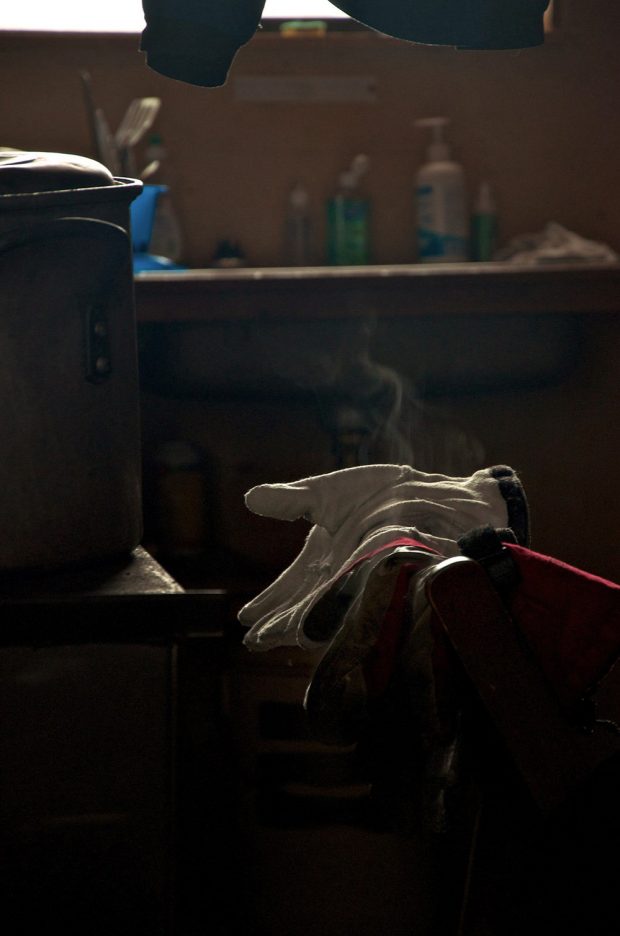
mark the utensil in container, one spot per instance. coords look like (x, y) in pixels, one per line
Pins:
(138, 118)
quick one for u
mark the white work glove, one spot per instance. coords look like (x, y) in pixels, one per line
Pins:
(355, 511)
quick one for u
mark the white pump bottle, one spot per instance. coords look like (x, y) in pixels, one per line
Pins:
(442, 217)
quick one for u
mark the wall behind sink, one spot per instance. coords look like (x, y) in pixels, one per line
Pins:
(541, 124)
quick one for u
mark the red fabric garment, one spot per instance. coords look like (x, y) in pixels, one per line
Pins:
(379, 664)
(382, 660)
(388, 547)
(570, 619)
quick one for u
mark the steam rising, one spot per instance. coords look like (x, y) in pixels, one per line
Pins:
(373, 415)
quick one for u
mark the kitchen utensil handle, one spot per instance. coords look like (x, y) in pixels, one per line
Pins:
(89, 103)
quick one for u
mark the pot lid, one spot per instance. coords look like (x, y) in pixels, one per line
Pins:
(30, 172)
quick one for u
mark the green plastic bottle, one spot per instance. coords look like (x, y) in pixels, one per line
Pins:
(484, 225)
(348, 219)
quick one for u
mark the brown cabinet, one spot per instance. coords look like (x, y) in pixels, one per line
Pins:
(100, 812)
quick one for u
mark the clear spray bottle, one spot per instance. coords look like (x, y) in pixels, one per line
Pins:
(484, 224)
(167, 237)
(297, 229)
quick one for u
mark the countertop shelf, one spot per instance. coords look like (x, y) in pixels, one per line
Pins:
(387, 290)
(124, 599)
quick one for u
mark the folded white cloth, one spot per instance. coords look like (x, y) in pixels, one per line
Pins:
(357, 510)
(555, 244)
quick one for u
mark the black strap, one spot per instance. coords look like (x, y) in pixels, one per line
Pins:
(486, 545)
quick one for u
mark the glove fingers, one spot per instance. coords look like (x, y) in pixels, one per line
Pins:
(280, 501)
(327, 499)
(296, 580)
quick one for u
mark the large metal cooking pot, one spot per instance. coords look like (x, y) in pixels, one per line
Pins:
(70, 473)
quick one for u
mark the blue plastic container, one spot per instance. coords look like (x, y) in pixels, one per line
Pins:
(143, 210)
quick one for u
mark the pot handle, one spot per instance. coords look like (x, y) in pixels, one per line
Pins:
(114, 240)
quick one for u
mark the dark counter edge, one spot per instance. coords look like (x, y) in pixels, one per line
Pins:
(385, 290)
(124, 599)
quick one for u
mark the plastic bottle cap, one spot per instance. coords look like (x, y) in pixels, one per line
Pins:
(347, 179)
(351, 176)
(298, 198)
(360, 165)
(485, 203)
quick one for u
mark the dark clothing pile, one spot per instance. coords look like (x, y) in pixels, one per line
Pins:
(196, 40)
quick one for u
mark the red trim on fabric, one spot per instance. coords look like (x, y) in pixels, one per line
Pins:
(379, 663)
(393, 544)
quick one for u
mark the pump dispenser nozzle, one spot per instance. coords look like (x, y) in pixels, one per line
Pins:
(438, 150)
(349, 179)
